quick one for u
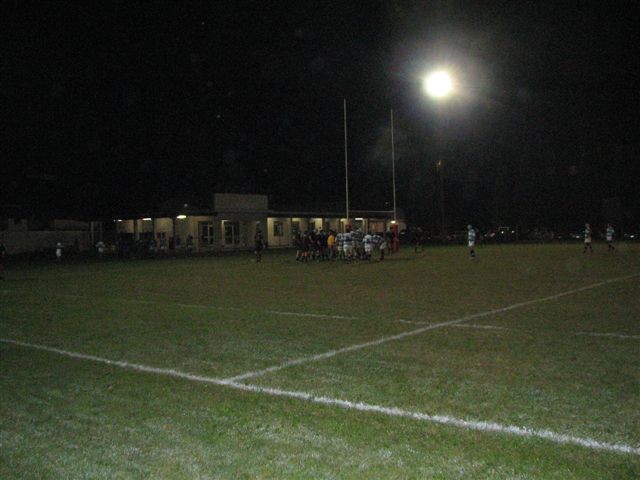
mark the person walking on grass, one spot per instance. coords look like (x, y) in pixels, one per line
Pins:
(331, 244)
(380, 243)
(610, 233)
(368, 245)
(59, 248)
(471, 241)
(3, 253)
(100, 247)
(587, 239)
(347, 238)
(258, 245)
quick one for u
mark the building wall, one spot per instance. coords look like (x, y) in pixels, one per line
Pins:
(302, 224)
(164, 226)
(279, 241)
(233, 202)
(17, 225)
(124, 226)
(44, 240)
(191, 226)
(377, 226)
(145, 226)
(334, 224)
(74, 225)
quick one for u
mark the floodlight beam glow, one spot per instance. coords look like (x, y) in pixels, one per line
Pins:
(438, 84)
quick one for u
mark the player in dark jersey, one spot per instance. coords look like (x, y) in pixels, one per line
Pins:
(587, 238)
(3, 253)
(258, 241)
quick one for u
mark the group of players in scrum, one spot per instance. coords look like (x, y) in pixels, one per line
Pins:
(348, 246)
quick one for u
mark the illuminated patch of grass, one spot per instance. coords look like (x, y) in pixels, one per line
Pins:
(68, 418)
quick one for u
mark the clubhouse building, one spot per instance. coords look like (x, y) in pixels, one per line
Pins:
(232, 221)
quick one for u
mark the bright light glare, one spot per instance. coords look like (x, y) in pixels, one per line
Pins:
(438, 84)
(181, 217)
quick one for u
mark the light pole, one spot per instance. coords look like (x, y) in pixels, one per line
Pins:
(440, 166)
(439, 86)
(393, 171)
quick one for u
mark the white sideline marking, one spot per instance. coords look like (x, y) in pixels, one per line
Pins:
(616, 335)
(483, 327)
(311, 315)
(332, 353)
(359, 406)
(402, 320)
(459, 325)
(495, 327)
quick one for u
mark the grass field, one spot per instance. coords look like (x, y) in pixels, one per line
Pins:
(522, 364)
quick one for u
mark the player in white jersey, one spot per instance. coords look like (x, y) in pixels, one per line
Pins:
(471, 240)
(59, 248)
(380, 243)
(368, 245)
(347, 238)
(587, 239)
(100, 247)
(610, 233)
(357, 243)
(340, 245)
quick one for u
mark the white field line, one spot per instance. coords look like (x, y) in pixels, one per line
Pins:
(410, 333)
(496, 327)
(482, 327)
(615, 335)
(459, 325)
(345, 404)
(207, 307)
(412, 322)
(310, 315)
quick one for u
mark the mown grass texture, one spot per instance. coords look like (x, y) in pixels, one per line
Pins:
(536, 366)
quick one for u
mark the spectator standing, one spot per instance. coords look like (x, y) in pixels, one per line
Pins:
(100, 248)
(471, 241)
(258, 245)
(331, 243)
(587, 239)
(59, 248)
(3, 254)
(610, 233)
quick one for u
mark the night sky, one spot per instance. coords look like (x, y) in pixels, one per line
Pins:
(119, 106)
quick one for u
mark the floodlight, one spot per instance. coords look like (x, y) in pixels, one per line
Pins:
(438, 84)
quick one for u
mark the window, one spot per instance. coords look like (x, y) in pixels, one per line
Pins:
(206, 233)
(231, 232)
(295, 227)
(278, 229)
